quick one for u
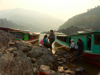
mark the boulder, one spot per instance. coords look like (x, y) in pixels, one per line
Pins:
(35, 70)
(1, 54)
(46, 58)
(60, 69)
(25, 47)
(45, 69)
(33, 60)
(5, 40)
(60, 53)
(80, 71)
(18, 65)
(35, 53)
(65, 67)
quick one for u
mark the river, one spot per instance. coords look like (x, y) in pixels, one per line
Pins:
(90, 68)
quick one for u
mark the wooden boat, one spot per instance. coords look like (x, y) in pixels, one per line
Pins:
(22, 35)
(91, 41)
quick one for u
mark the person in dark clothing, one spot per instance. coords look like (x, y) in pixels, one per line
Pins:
(79, 50)
(51, 38)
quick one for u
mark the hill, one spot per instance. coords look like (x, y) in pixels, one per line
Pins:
(89, 19)
(71, 30)
(8, 23)
(33, 20)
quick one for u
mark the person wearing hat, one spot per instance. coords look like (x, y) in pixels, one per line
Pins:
(73, 46)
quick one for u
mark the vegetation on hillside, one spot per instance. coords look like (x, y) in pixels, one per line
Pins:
(5, 23)
(71, 30)
(89, 19)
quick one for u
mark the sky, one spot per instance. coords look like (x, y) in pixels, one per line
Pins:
(60, 9)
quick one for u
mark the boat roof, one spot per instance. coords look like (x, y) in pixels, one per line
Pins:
(62, 35)
(86, 32)
(7, 28)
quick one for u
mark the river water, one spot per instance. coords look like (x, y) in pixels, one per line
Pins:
(90, 68)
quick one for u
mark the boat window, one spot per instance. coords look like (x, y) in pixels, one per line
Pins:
(17, 35)
(89, 42)
(97, 40)
(64, 39)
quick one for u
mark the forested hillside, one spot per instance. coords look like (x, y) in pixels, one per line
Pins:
(8, 23)
(89, 19)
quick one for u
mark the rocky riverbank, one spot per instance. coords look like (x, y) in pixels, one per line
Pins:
(21, 58)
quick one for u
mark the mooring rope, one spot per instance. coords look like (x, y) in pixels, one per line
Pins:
(61, 47)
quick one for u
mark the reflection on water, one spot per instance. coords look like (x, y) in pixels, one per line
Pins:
(90, 68)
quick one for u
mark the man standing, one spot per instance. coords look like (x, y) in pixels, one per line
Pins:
(51, 38)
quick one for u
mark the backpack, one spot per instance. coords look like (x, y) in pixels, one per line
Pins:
(41, 42)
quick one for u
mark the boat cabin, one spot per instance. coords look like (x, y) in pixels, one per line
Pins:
(26, 36)
(18, 35)
(8, 29)
(63, 40)
(91, 41)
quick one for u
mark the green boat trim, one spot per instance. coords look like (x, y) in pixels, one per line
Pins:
(85, 36)
(24, 36)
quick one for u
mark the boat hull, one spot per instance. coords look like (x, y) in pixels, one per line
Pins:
(62, 45)
(92, 58)
(32, 41)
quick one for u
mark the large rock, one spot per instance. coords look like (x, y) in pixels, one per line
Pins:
(45, 70)
(5, 40)
(47, 58)
(60, 53)
(43, 57)
(15, 65)
(35, 53)
(25, 47)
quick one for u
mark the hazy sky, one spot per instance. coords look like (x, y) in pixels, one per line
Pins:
(61, 9)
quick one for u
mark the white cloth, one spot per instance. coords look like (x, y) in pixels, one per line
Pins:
(73, 45)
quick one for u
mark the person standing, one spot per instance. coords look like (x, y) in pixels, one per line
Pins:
(51, 38)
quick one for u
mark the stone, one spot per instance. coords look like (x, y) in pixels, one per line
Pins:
(15, 49)
(34, 53)
(60, 69)
(25, 47)
(33, 60)
(10, 50)
(5, 40)
(44, 57)
(80, 70)
(35, 70)
(60, 62)
(60, 53)
(52, 72)
(21, 58)
(45, 69)
(65, 67)
(1, 54)
(19, 65)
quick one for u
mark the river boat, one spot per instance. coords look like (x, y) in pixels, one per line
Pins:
(22, 35)
(91, 41)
